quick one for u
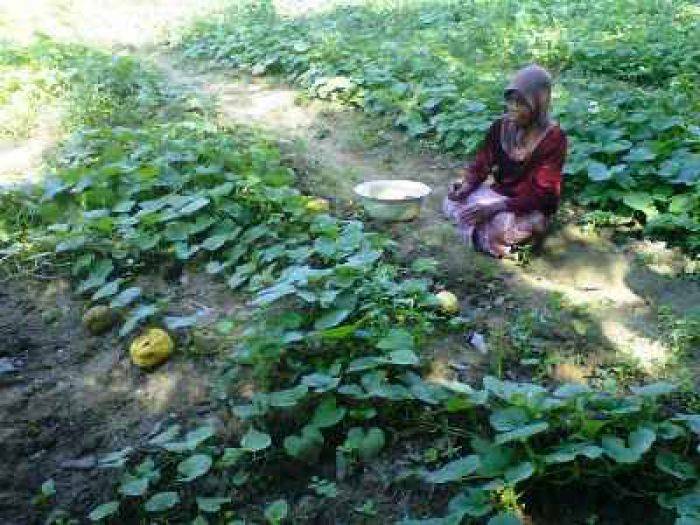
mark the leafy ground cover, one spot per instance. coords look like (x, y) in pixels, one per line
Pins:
(328, 380)
(625, 73)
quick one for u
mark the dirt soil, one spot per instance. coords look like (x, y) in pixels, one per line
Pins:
(67, 398)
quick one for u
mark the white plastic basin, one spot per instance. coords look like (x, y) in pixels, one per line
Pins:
(392, 200)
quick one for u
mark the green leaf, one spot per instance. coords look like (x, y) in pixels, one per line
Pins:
(425, 265)
(289, 397)
(654, 389)
(115, 459)
(332, 318)
(134, 487)
(493, 460)
(301, 47)
(108, 290)
(687, 520)
(327, 414)
(222, 189)
(216, 241)
(674, 465)
(279, 178)
(201, 223)
(139, 314)
(403, 357)
(162, 501)
(242, 274)
(306, 446)
(397, 339)
(617, 146)
(98, 275)
(640, 154)
(224, 327)
(124, 206)
(362, 414)
(680, 203)
(191, 441)
(669, 431)
(454, 470)
(198, 436)
(522, 433)
(691, 420)
(597, 171)
(71, 244)
(126, 297)
(528, 393)
(276, 512)
(176, 231)
(640, 441)
(48, 488)
(641, 202)
(475, 503)
(104, 511)
(518, 473)
(211, 504)
(320, 382)
(175, 323)
(569, 390)
(368, 444)
(147, 468)
(152, 206)
(195, 205)
(240, 478)
(569, 452)
(183, 252)
(427, 392)
(688, 504)
(505, 518)
(509, 419)
(231, 456)
(255, 441)
(194, 467)
(363, 363)
(364, 259)
(273, 293)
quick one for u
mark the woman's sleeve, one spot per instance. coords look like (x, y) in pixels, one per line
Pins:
(477, 171)
(546, 179)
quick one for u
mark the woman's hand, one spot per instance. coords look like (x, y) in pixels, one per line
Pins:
(458, 191)
(478, 213)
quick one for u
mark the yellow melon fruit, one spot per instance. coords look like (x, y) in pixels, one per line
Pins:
(317, 205)
(151, 348)
(448, 302)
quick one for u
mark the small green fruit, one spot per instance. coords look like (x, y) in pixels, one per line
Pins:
(99, 319)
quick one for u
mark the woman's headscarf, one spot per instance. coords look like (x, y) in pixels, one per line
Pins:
(534, 84)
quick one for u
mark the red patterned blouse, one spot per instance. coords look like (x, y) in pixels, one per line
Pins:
(533, 184)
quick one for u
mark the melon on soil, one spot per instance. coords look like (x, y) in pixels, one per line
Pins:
(448, 302)
(151, 348)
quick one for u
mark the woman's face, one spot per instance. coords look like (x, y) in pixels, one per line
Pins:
(518, 110)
